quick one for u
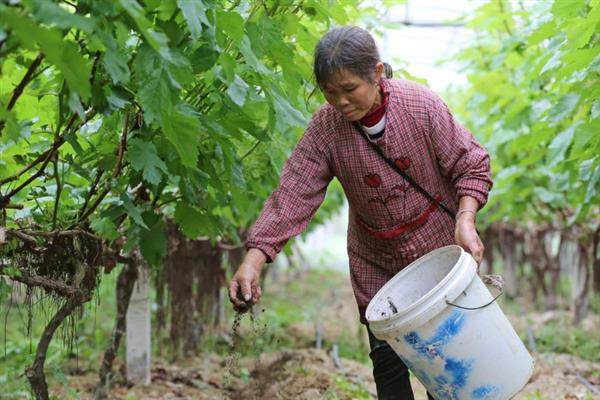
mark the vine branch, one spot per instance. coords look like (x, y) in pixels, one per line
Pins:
(501, 6)
(21, 86)
(32, 164)
(57, 143)
(92, 190)
(14, 206)
(161, 204)
(122, 147)
(95, 65)
(44, 158)
(116, 171)
(55, 233)
(35, 373)
(26, 79)
(251, 150)
(23, 236)
(43, 282)
(28, 235)
(58, 193)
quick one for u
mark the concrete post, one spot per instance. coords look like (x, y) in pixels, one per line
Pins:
(138, 331)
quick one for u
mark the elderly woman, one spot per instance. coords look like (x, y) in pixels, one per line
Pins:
(413, 176)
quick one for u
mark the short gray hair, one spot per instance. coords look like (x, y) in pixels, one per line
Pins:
(347, 48)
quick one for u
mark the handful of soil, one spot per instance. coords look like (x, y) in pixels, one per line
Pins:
(247, 303)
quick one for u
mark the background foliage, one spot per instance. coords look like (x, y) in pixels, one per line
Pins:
(177, 108)
(533, 95)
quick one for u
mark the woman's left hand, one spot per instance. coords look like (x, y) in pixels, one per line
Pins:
(466, 236)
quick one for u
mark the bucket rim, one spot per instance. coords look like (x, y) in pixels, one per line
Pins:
(402, 313)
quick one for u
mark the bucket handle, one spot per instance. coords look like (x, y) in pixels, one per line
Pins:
(492, 280)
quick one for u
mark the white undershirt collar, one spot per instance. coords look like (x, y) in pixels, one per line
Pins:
(375, 129)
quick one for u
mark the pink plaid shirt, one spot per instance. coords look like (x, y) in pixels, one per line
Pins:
(390, 223)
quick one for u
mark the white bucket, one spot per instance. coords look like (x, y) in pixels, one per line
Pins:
(457, 354)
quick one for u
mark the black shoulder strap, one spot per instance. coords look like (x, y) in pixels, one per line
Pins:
(402, 173)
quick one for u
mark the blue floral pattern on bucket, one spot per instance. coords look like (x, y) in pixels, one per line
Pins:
(433, 347)
(455, 375)
(486, 392)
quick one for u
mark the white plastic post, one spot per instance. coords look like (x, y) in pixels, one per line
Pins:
(138, 331)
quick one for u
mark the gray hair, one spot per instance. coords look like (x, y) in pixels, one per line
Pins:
(347, 48)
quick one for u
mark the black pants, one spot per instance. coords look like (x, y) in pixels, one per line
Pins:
(390, 373)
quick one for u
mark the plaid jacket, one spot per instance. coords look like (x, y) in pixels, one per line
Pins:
(390, 223)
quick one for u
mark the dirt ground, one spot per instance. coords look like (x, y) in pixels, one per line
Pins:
(310, 373)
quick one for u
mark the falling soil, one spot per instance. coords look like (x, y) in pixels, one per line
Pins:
(232, 362)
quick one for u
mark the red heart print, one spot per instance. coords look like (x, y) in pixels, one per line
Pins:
(402, 163)
(373, 180)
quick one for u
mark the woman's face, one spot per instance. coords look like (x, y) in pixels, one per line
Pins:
(351, 95)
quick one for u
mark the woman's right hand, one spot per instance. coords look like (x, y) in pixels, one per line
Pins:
(244, 288)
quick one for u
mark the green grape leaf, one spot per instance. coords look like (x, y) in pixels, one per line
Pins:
(595, 109)
(155, 97)
(143, 157)
(576, 60)
(592, 187)
(581, 30)
(75, 105)
(237, 91)
(204, 58)
(155, 38)
(180, 70)
(115, 62)
(286, 112)
(228, 64)
(544, 31)
(12, 130)
(250, 57)
(564, 107)
(232, 24)
(132, 210)
(553, 63)
(567, 9)
(153, 241)
(559, 145)
(194, 13)
(190, 220)
(182, 129)
(547, 196)
(105, 228)
(51, 14)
